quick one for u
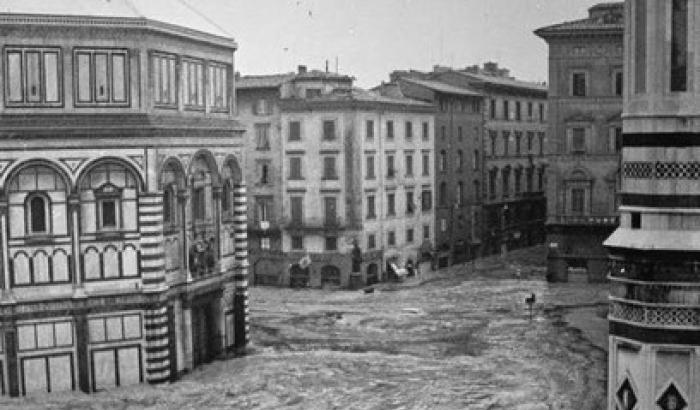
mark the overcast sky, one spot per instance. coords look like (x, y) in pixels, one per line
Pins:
(370, 38)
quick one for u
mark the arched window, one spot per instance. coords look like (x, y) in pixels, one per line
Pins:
(226, 197)
(112, 188)
(172, 179)
(38, 214)
(170, 215)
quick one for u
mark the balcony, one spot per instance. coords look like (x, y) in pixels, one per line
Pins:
(673, 305)
(584, 220)
(316, 225)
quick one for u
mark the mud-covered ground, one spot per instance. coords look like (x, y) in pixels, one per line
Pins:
(460, 338)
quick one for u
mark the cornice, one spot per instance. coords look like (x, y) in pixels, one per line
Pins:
(132, 23)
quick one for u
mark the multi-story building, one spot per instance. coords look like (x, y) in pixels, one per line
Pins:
(122, 214)
(350, 178)
(514, 164)
(585, 135)
(458, 172)
(654, 353)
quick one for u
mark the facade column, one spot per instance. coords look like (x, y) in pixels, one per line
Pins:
(240, 300)
(6, 280)
(183, 196)
(77, 271)
(186, 329)
(150, 208)
(9, 333)
(157, 344)
(216, 195)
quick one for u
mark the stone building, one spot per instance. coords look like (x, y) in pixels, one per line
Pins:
(457, 170)
(348, 189)
(514, 164)
(122, 205)
(585, 129)
(654, 258)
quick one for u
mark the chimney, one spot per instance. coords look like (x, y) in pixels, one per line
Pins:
(301, 69)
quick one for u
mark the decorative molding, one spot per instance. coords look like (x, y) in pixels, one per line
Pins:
(138, 160)
(661, 170)
(73, 164)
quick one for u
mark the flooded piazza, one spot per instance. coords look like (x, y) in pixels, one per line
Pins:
(455, 339)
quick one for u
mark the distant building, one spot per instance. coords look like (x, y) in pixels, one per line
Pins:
(654, 255)
(122, 213)
(348, 193)
(458, 162)
(585, 105)
(515, 124)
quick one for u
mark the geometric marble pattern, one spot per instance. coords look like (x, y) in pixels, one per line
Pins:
(661, 170)
(672, 399)
(625, 396)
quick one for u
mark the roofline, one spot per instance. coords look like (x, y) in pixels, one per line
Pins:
(548, 32)
(135, 23)
(464, 93)
(521, 85)
(297, 105)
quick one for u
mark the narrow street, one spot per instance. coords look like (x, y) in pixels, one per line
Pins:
(457, 339)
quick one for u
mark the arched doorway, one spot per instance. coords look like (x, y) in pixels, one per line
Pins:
(372, 274)
(330, 276)
(298, 277)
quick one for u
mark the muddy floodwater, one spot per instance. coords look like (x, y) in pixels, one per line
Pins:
(461, 338)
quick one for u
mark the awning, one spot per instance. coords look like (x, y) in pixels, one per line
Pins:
(671, 240)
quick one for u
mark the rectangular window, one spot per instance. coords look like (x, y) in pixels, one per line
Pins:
(506, 142)
(295, 168)
(262, 136)
(193, 83)
(426, 165)
(640, 47)
(328, 130)
(390, 204)
(44, 335)
(426, 200)
(33, 77)
(475, 160)
(297, 242)
(443, 132)
(108, 213)
(390, 130)
(636, 220)
(294, 131)
(218, 87)
(578, 196)
(265, 243)
(460, 133)
(409, 165)
(679, 45)
(199, 203)
(578, 84)
(529, 110)
(530, 137)
(426, 132)
(409, 235)
(410, 206)
(492, 109)
(518, 113)
(391, 238)
(331, 243)
(618, 83)
(390, 170)
(329, 171)
(541, 112)
(165, 82)
(371, 241)
(262, 107)
(506, 110)
(369, 172)
(371, 207)
(426, 232)
(540, 137)
(578, 140)
(330, 207)
(262, 209)
(369, 130)
(518, 138)
(409, 130)
(615, 144)
(296, 209)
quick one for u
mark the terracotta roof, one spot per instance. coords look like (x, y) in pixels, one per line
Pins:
(505, 81)
(603, 17)
(181, 13)
(263, 81)
(441, 87)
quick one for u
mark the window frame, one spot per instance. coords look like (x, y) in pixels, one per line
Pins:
(42, 50)
(324, 135)
(102, 196)
(573, 90)
(185, 62)
(158, 94)
(29, 214)
(290, 134)
(212, 70)
(260, 136)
